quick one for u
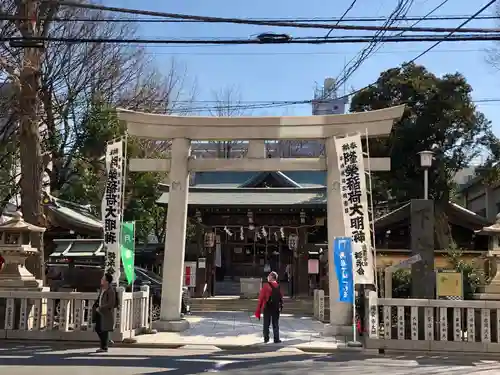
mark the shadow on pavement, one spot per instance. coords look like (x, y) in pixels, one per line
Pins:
(268, 359)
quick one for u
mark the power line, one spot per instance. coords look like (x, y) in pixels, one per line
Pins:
(273, 102)
(342, 17)
(298, 102)
(302, 53)
(450, 35)
(365, 53)
(427, 50)
(241, 21)
(306, 40)
(198, 107)
(370, 50)
(6, 17)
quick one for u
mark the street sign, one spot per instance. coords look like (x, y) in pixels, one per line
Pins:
(405, 263)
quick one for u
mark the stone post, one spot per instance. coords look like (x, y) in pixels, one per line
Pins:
(170, 318)
(423, 278)
(340, 313)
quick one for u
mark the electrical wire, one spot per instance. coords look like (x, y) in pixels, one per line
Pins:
(445, 38)
(219, 41)
(6, 17)
(209, 52)
(241, 21)
(356, 61)
(198, 107)
(489, 4)
(342, 17)
(371, 49)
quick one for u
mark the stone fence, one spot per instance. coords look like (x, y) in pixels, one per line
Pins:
(48, 315)
(432, 325)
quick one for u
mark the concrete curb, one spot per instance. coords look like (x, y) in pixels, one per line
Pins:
(227, 347)
(235, 347)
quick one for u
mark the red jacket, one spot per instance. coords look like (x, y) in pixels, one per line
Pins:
(264, 295)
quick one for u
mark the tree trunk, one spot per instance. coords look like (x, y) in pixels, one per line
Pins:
(442, 227)
(29, 137)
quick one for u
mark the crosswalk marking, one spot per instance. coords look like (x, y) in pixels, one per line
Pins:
(16, 356)
(109, 357)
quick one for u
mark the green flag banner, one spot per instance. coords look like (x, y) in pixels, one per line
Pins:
(127, 249)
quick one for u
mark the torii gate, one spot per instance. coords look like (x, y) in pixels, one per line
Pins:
(182, 129)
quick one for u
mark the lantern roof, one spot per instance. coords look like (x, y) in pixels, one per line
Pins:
(17, 224)
(491, 230)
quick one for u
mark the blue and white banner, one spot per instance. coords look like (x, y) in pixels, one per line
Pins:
(342, 255)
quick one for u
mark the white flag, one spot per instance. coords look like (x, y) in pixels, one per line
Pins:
(112, 207)
(355, 205)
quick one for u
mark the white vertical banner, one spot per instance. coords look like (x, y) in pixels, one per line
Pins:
(111, 208)
(355, 204)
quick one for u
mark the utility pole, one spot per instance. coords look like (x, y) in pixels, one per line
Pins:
(29, 124)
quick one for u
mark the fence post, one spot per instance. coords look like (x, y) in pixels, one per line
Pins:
(315, 304)
(372, 314)
(143, 318)
(120, 318)
(321, 305)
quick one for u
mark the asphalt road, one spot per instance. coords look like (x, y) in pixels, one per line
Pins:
(45, 360)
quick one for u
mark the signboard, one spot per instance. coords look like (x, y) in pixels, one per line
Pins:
(313, 266)
(127, 249)
(405, 263)
(111, 208)
(355, 204)
(449, 285)
(189, 274)
(343, 258)
(202, 263)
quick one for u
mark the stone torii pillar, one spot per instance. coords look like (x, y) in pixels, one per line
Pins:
(175, 241)
(341, 316)
(182, 129)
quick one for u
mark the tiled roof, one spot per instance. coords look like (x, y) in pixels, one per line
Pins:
(302, 178)
(201, 196)
(456, 214)
(74, 214)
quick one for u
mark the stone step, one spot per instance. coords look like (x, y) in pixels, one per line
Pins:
(295, 306)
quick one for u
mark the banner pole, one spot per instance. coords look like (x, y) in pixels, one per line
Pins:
(133, 282)
(354, 343)
(354, 322)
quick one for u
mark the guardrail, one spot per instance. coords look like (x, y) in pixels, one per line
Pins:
(49, 315)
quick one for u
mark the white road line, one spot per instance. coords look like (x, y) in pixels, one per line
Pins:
(16, 356)
(110, 357)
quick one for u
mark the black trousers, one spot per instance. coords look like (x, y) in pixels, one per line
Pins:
(271, 317)
(103, 335)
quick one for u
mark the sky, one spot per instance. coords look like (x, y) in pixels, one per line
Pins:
(290, 72)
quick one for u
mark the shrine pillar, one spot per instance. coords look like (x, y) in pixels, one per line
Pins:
(340, 312)
(175, 245)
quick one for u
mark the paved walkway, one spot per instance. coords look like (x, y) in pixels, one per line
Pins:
(235, 329)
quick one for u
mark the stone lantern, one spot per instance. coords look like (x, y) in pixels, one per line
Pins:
(492, 290)
(15, 247)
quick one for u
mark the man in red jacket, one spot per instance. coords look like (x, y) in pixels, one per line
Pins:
(271, 301)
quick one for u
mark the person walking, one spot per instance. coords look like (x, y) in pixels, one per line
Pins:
(104, 312)
(271, 302)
